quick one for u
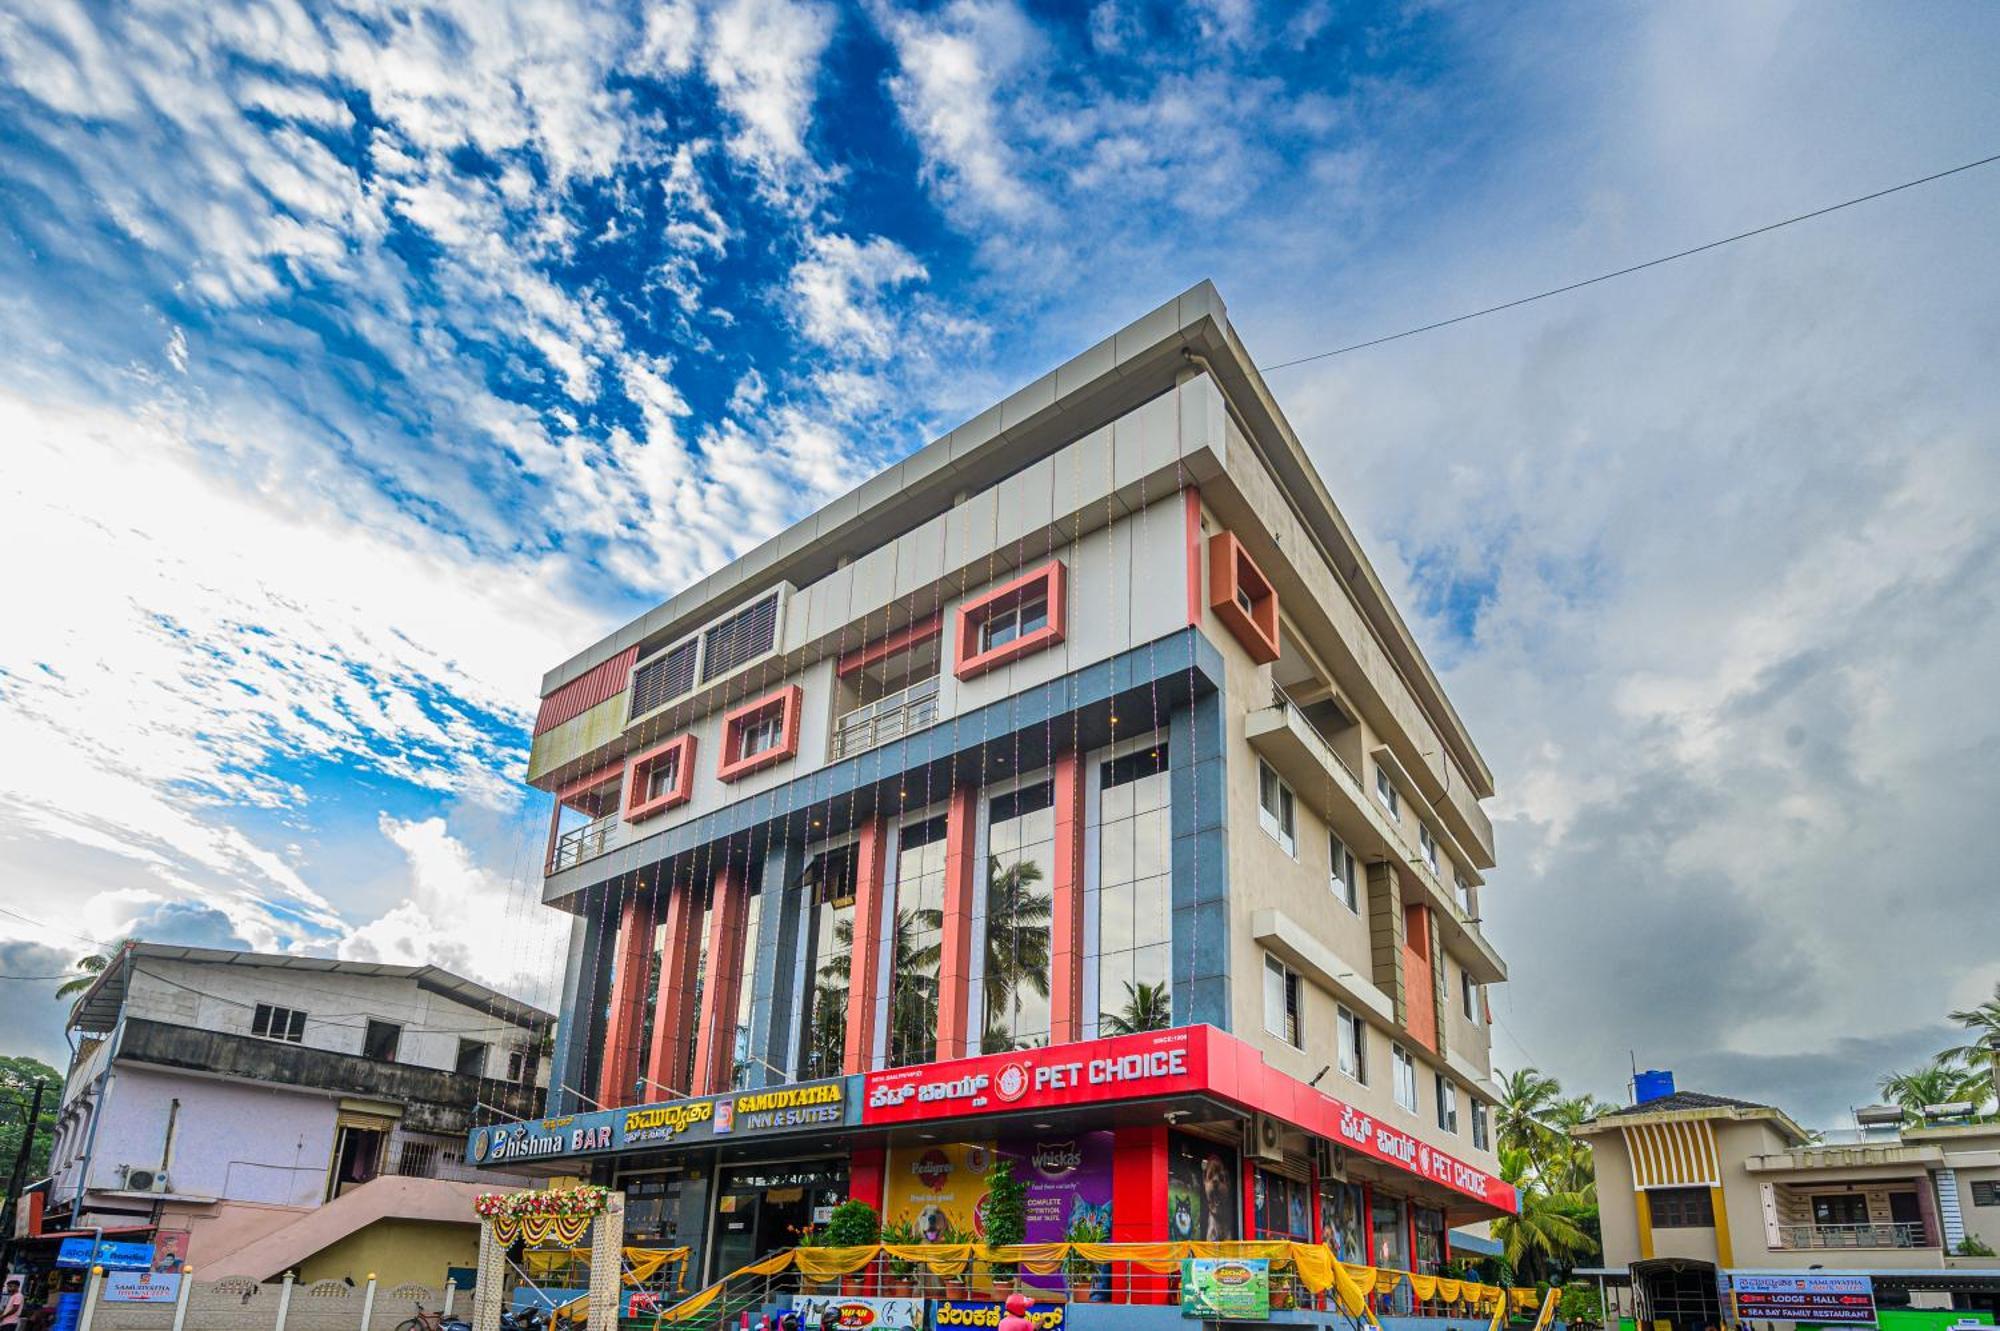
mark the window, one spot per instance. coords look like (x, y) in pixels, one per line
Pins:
(278, 1023)
(1019, 905)
(1463, 886)
(662, 679)
(1341, 875)
(1681, 1208)
(743, 637)
(1022, 615)
(913, 975)
(1274, 804)
(1479, 1129)
(417, 1159)
(1134, 895)
(659, 779)
(1986, 1192)
(1428, 844)
(380, 1040)
(1468, 992)
(471, 1058)
(1841, 1208)
(1406, 1077)
(1447, 1104)
(521, 1067)
(830, 881)
(1385, 791)
(760, 733)
(1281, 1002)
(1353, 1045)
(1242, 597)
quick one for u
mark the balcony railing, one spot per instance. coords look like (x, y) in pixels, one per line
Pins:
(583, 843)
(888, 718)
(1283, 702)
(1901, 1234)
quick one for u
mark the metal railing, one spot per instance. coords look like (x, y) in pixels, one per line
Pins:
(887, 718)
(1899, 1234)
(1283, 702)
(583, 843)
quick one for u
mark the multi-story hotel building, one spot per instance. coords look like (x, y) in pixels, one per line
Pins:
(1071, 790)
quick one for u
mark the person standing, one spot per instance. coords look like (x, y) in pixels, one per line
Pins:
(10, 1305)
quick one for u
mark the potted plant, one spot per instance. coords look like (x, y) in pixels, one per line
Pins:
(1006, 1220)
(1082, 1272)
(810, 1237)
(954, 1285)
(901, 1269)
(854, 1224)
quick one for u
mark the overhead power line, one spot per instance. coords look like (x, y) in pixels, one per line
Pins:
(1634, 268)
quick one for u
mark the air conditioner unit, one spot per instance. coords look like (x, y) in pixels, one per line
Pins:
(139, 1178)
(1328, 1159)
(1264, 1138)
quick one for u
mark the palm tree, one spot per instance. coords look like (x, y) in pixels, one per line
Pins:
(1522, 1118)
(1147, 1008)
(1941, 1081)
(913, 986)
(1983, 1024)
(1017, 945)
(1570, 1162)
(91, 967)
(1547, 1229)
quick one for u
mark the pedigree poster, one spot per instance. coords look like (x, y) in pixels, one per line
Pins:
(937, 1188)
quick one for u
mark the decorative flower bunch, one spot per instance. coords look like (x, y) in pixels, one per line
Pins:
(583, 1202)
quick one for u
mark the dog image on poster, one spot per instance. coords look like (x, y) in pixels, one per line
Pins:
(1204, 1197)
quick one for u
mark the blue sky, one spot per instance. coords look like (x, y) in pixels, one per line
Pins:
(361, 361)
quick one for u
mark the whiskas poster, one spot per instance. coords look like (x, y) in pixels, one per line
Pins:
(1068, 1178)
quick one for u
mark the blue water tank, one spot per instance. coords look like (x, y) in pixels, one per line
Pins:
(1652, 1084)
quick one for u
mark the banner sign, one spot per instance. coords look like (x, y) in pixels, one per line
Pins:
(1385, 1141)
(1127, 1067)
(1827, 1299)
(956, 1314)
(800, 1107)
(1226, 1289)
(109, 1255)
(141, 1287)
(861, 1314)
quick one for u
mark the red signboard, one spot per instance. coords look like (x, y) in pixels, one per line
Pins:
(1189, 1060)
(1129, 1067)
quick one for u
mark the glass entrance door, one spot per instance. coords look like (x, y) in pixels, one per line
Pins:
(762, 1208)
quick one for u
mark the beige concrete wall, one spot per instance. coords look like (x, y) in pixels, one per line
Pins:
(1981, 1222)
(1617, 1211)
(396, 1252)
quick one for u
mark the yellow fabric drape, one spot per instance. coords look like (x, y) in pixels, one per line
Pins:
(940, 1259)
(826, 1263)
(1548, 1313)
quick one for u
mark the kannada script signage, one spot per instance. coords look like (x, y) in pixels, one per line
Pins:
(1128, 1067)
(1385, 1141)
(799, 1107)
(1825, 1299)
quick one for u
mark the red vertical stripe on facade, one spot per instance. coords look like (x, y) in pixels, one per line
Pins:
(865, 962)
(715, 1042)
(673, 1015)
(598, 684)
(1419, 985)
(955, 950)
(631, 962)
(1066, 921)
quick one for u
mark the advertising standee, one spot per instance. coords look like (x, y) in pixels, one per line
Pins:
(1829, 1300)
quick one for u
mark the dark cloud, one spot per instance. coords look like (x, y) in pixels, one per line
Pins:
(35, 1017)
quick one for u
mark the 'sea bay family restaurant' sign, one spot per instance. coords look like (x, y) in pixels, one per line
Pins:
(1188, 1062)
(799, 1107)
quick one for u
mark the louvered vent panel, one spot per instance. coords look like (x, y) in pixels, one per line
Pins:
(662, 679)
(744, 636)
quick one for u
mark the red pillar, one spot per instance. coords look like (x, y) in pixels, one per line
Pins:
(632, 963)
(955, 950)
(673, 1011)
(715, 1042)
(1066, 918)
(867, 1176)
(864, 964)
(1139, 1200)
(1250, 1201)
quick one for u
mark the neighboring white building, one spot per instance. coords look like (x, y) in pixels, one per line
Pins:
(229, 1096)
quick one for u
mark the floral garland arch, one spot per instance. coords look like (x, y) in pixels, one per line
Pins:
(559, 1214)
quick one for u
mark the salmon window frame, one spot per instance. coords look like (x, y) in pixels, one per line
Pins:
(1047, 584)
(643, 767)
(1242, 597)
(784, 704)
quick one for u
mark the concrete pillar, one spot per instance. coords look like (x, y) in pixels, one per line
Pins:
(607, 1271)
(773, 998)
(1066, 910)
(1139, 1200)
(490, 1289)
(673, 1007)
(632, 966)
(955, 959)
(728, 913)
(864, 966)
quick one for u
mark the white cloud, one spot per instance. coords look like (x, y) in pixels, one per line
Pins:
(845, 290)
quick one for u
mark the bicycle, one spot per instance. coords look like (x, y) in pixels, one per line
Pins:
(430, 1321)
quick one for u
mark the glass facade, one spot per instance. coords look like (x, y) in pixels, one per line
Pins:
(1018, 909)
(1342, 1215)
(829, 883)
(740, 1064)
(1134, 893)
(918, 942)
